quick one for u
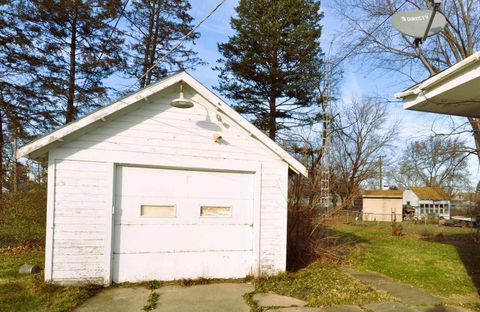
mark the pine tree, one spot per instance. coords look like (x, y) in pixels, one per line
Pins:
(155, 26)
(69, 36)
(271, 65)
(22, 108)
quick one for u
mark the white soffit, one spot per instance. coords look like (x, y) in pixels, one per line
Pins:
(454, 91)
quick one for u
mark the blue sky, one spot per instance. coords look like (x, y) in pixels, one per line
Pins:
(357, 81)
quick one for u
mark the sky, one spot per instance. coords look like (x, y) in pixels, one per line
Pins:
(356, 82)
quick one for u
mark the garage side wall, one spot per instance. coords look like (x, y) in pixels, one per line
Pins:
(79, 220)
(155, 134)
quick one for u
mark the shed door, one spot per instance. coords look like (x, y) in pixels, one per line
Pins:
(172, 224)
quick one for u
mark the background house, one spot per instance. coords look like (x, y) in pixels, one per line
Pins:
(465, 203)
(428, 201)
(140, 190)
(382, 205)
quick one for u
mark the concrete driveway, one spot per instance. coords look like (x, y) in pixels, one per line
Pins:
(201, 298)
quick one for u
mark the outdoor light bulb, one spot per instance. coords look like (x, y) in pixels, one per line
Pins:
(181, 102)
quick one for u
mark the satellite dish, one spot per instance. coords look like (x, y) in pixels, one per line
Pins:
(415, 23)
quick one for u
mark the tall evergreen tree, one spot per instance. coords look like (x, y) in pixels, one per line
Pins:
(271, 65)
(23, 110)
(69, 36)
(155, 26)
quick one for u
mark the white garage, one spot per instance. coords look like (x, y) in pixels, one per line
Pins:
(144, 189)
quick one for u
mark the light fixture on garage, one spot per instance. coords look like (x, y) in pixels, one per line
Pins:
(181, 102)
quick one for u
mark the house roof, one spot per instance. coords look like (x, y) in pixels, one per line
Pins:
(383, 193)
(453, 91)
(42, 145)
(429, 193)
(466, 196)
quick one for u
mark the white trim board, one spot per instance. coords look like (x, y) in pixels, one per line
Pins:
(41, 146)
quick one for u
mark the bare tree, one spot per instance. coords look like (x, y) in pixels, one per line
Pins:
(363, 135)
(435, 161)
(384, 47)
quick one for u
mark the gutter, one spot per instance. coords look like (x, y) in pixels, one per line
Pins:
(440, 76)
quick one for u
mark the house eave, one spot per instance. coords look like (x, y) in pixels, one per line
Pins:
(452, 91)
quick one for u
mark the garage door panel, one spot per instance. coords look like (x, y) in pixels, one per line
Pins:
(147, 182)
(171, 238)
(234, 264)
(180, 183)
(219, 185)
(180, 242)
(186, 211)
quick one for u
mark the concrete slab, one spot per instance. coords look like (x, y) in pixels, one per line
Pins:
(274, 300)
(203, 298)
(387, 307)
(446, 308)
(116, 300)
(297, 309)
(343, 308)
(406, 293)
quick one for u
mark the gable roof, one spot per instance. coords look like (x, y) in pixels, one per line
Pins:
(429, 193)
(383, 193)
(42, 145)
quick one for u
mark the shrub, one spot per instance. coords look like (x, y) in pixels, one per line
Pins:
(22, 217)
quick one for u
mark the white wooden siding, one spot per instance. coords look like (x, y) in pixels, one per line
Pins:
(78, 223)
(158, 135)
(410, 196)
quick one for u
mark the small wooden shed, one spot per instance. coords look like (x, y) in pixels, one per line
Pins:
(140, 190)
(382, 205)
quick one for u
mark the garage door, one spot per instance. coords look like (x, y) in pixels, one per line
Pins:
(172, 224)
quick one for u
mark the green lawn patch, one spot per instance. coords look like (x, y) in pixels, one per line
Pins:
(444, 261)
(321, 285)
(30, 293)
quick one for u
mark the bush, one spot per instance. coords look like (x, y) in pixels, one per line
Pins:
(22, 216)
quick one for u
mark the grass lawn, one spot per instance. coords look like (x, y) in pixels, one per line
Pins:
(29, 293)
(320, 285)
(441, 260)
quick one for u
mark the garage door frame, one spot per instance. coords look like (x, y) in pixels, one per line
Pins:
(247, 167)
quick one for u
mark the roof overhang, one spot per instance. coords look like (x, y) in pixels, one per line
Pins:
(454, 91)
(40, 147)
(382, 196)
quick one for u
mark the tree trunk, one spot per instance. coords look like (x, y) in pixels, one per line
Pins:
(148, 45)
(272, 122)
(14, 159)
(475, 123)
(70, 113)
(154, 41)
(2, 146)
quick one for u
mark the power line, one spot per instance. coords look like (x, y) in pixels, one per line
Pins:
(114, 28)
(96, 60)
(180, 41)
(369, 34)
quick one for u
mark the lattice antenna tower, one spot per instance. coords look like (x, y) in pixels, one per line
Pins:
(325, 164)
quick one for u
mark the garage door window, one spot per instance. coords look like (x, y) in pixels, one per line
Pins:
(215, 211)
(158, 211)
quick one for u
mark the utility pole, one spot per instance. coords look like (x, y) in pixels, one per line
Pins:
(380, 164)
